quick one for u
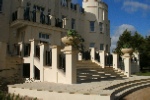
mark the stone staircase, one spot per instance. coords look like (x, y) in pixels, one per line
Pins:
(88, 71)
(119, 90)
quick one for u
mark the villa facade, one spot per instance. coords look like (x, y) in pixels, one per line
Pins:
(24, 24)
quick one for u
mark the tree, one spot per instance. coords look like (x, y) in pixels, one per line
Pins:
(138, 43)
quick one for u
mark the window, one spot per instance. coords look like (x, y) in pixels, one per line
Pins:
(1, 3)
(73, 23)
(64, 3)
(92, 44)
(101, 26)
(101, 46)
(92, 26)
(43, 36)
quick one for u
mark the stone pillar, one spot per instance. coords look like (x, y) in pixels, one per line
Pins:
(115, 60)
(92, 54)
(55, 62)
(79, 56)
(20, 14)
(71, 61)
(38, 16)
(64, 22)
(42, 61)
(52, 18)
(137, 56)
(32, 70)
(102, 58)
(21, 49)
(127, 64)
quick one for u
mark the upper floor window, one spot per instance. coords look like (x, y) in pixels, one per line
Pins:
(64, 3)
(101, 46)
(73, 22)
(92, 44)
(1, 3)
(100, 26)
(92, 26)
(44, 37)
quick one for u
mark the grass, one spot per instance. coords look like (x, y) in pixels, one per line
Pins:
(143, 74)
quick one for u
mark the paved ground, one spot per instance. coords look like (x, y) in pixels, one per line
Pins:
(84, 88)
(142, 94)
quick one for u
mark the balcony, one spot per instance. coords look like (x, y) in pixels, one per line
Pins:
(22, 18)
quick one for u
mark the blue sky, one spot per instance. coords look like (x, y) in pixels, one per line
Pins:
(133, 15)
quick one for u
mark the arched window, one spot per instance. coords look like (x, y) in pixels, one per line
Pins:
(1, 3)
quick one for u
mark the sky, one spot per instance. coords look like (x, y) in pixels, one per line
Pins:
(133, 15)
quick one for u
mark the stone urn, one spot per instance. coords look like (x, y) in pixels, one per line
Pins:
(127, 51)
(69, 40)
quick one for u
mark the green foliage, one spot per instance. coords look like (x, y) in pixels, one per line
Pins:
(77, 37)
(138, 43)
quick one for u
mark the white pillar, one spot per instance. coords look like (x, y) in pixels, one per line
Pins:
(52, 20)
(102, 58)
(127, 64)
(115, 60)
(32, 58)
(92, 54)
(55, 62)
(64, 22)
(20, 13)
(71, 61)
(38, 16)
(79, 56)
(21, 49)
(137, 56)
(42, 61)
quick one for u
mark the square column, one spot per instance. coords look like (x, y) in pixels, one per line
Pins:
(71, 61)
(79, 56)
(38, 16)
(52, 18)
(42, 60)
(20, 14)
(102, 58)
(21, 49)
(137, 56)
(32, 53)
(127, 64)
(92, 54)
(55, 62)
(115, 60)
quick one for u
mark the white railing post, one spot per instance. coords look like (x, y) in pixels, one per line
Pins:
(79, 56)
(115, 60)
(55, 62)
(127, 64)
(102, 58)
(71, 61)
(92, 54)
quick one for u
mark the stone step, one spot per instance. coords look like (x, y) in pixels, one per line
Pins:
(124, 83)
(130, 88)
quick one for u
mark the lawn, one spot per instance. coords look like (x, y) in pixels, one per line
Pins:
(143, 74)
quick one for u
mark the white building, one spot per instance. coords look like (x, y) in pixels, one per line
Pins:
(26, 23)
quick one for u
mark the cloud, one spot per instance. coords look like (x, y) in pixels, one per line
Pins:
(133, 6)
(119, 30)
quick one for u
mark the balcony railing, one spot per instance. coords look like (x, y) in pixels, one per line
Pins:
(32, 16)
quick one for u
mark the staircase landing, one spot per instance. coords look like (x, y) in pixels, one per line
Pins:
(103, 90)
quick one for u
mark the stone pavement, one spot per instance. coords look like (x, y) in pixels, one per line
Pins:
(84, 88)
